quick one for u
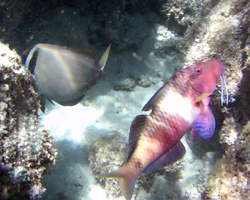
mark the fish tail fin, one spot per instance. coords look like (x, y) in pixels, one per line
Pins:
(127, 182)
(104, 58)
(127, 185)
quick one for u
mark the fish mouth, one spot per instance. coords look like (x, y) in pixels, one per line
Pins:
(207, 80)
(211, 81)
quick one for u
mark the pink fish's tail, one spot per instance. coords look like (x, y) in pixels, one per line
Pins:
(127, 181)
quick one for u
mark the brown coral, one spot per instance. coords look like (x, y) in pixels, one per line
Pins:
(26, 149)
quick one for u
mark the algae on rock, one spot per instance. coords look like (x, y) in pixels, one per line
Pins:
(26, 149)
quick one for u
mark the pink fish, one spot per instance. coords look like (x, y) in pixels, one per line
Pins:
(154, 140)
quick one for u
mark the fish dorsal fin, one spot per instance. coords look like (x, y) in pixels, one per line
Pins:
(153, 100)
(135, 132)
(86, 52)
(104, 58)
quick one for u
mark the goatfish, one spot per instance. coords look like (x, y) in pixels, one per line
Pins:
(154, 139)
(63, 74)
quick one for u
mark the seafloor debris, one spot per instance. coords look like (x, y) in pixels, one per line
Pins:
(106, 155)
(109, 153)
(26, 149)
(124, 83)
(143, 81)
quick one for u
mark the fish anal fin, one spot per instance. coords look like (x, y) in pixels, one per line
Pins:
(204, 125)
(150, 104)
(170, 157)
(135, 132)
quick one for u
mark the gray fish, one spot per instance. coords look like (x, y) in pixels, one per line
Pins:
(63, 74)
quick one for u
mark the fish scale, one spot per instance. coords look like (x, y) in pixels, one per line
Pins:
(154, 139)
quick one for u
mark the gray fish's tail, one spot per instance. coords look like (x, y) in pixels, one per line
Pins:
(104, 58)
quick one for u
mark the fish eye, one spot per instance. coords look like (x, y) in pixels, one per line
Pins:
(198, 71)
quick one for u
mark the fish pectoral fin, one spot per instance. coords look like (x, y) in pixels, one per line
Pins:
(204, 125)
(135, 132)
(202, 96)
(104, 58)
(170, 157)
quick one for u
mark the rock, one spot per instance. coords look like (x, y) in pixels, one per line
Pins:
(124, 83)
(26, 149)
(105, 156)
(143, 81)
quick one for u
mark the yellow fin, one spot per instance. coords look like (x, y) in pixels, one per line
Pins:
(202, 96)
(104, 58)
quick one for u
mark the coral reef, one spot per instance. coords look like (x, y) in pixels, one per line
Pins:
(110, 153)
(11, 13)
(231, 174)
(124, 24)
(224, 34)
(124, 83)
(26, 149)
(143, 81)
(15, 14)
(46, 26)
(107, 155)
(181, 14)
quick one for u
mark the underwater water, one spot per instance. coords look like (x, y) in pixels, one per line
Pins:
(150, 43)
